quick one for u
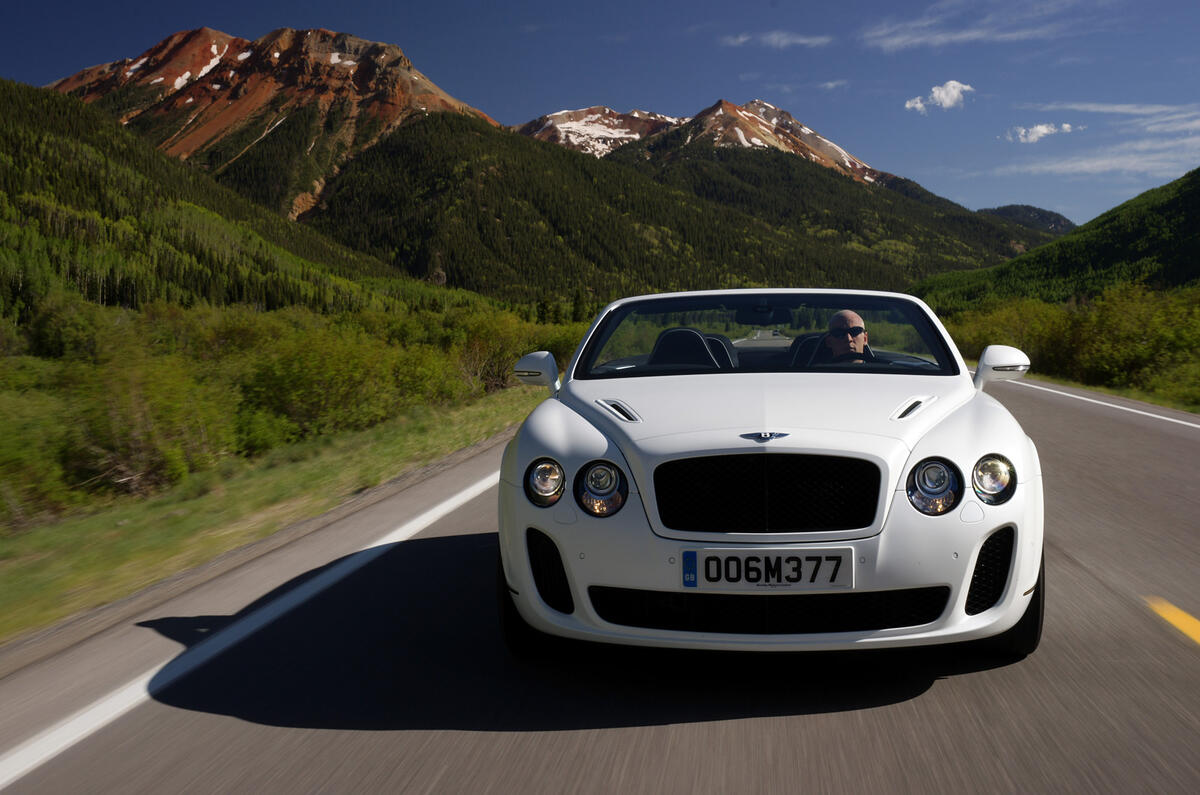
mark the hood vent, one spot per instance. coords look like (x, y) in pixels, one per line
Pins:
(619, 410)
(912, 406)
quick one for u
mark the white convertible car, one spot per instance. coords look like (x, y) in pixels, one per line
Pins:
(771, 470)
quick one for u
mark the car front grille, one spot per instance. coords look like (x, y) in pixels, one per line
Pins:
(991, 571)
(767, 493)
(774, 614)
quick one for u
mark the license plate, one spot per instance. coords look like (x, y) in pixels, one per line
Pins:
(741, 570)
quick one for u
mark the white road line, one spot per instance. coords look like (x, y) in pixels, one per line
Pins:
(38, 750)
(1103, 403)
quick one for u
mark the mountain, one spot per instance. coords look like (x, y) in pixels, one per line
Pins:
(756, 125)
(1151, 239)
(339, 133)
(1033, 217)
(596, 130)
(452, 200)
(760, 125)
(275, 117)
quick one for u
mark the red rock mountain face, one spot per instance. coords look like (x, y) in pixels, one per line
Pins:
(755, 125)
(197, 89)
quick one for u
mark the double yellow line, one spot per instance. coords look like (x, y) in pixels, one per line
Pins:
(1183, 622)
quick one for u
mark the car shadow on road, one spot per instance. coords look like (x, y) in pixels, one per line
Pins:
(410, 641)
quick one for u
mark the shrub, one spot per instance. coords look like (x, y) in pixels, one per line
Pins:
(146, 422)
(324, 380)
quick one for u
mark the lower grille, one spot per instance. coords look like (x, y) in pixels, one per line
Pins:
(767, 493)
(548, 573)
(991, 571)
(775, 614)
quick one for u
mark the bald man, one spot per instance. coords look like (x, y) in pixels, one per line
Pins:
(847, 338)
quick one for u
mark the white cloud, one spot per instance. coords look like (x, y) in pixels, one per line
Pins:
(1140, 118)
(776, 39)
(1124, 109)
(948, 95)
(987, 22)
(1031, 135)
(1164, 159)
(833, 84)
(781, 40)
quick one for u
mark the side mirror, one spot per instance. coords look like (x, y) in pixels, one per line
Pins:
(1000, 363)
(538, 369)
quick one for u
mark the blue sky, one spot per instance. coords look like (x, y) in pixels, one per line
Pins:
(1071, 105)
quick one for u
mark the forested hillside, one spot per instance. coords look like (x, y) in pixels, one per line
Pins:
(896, 221)
(451, 198)
(1152, 239)
(1114, 303)
(154, 323)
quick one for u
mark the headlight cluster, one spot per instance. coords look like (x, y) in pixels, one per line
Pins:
(994, 479)
(544, 482)
(600, 487)
(935, 485)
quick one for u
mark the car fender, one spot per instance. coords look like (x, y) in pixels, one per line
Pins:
(555, 431)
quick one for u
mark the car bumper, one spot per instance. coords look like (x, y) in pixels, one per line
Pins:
(613, 580)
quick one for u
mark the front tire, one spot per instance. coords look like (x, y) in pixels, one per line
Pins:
(523, 641)
(1025, 636)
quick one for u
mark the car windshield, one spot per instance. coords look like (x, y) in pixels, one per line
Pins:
(765, 333)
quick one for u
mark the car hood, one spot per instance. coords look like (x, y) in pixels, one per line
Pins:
(876, 417)
(829, 406)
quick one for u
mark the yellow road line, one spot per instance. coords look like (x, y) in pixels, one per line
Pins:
(1183, 622)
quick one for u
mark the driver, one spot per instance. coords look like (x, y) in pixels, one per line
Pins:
(847, 338)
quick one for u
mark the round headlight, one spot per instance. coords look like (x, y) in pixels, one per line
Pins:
(544, 482)
(600, 489)
(934, 486)
(994, 479)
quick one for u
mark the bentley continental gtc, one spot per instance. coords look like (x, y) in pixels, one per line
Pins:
(771, 470)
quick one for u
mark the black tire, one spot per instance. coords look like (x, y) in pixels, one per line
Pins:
(523, 641)
(1024, 637)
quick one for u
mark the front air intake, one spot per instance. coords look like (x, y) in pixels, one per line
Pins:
(548, 573)
(991, 571)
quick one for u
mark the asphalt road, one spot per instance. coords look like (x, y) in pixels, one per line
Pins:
(394, 678)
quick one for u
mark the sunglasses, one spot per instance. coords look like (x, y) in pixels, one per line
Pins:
(853, 331)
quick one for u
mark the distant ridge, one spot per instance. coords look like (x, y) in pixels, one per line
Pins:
(1033, 217)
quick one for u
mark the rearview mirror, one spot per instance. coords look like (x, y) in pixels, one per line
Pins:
(1000, 363)
(538, 369)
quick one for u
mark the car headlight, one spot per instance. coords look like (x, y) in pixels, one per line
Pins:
(544, 482)
(994, 479)
(934, 486)
(600, 488)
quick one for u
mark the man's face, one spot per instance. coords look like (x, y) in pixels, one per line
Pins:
(841, 340)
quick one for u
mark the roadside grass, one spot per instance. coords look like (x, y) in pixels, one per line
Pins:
(52, 571)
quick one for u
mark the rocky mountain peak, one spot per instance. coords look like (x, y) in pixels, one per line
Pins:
(596, 130)
(206, 93)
